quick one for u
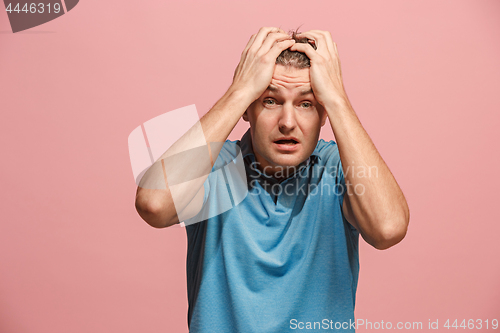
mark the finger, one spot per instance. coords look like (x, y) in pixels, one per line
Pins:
(271, 40)
(338, 59)
(310, 52)
(279, 47)
(249, 44)
(322, 41)
(327, 37)
(319, 40)
(261, 36)
(325, 34)
(244, 54)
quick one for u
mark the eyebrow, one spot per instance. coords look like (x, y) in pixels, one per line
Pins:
(276, 90)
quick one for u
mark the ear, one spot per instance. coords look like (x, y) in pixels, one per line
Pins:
(323, 116)
(248, 110)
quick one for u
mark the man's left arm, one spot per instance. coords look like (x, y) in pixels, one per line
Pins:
(374, 203)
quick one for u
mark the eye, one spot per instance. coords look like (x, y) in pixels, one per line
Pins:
(269, 100)
(307, 104)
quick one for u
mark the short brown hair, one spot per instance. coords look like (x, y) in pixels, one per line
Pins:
(295, 58)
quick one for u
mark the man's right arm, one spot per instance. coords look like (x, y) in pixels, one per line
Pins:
(187, 163)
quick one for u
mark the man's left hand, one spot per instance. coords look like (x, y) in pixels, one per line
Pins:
(325, 72)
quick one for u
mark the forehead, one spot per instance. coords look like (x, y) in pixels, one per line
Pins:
(288, 77)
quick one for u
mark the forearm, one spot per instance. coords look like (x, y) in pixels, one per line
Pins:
(178, 175)
(377, 202)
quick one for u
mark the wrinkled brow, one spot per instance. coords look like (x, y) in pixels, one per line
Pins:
(276, 90)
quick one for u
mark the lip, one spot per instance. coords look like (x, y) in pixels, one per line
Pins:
(287, 147)
(287, 138)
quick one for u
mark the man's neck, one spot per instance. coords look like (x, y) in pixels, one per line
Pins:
(280, 172)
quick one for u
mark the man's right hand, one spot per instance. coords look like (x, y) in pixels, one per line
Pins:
(258, 59)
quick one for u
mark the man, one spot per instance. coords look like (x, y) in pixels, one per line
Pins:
(285, 258)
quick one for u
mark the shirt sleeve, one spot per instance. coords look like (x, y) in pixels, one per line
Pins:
(335, 169)
(225, 186)
(344, 193)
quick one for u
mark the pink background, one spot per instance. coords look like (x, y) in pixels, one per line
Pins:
(423, 77)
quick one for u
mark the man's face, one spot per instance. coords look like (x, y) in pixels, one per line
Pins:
(288, 109)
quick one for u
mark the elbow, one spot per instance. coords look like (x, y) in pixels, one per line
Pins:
(388, 241)
(393, 230)
(391, 234)
(150, 213)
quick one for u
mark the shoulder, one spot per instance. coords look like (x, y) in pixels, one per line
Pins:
(326, 150)
(324, 147)
(226, 152)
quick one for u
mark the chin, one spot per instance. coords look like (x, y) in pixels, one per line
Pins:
(289, 161)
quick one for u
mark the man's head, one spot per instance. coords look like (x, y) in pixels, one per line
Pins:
(286, 119)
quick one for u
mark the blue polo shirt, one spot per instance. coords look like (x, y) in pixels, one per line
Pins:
(282, 259)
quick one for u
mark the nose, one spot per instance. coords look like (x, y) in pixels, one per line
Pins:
(287, 120)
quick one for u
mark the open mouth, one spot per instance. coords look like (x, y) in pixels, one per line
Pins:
(286, 142)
